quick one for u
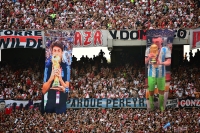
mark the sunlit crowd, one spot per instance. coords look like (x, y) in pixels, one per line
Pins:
(99, 14)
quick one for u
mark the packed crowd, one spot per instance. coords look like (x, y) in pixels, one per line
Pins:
(107, 81)
(125, 120)
(99, 14)
(20, 81)
(186, 79)
(95, 78)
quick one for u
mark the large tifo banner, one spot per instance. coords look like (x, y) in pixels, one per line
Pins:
(20, 39)
(55, 88)
(158, 67)
(194, 38)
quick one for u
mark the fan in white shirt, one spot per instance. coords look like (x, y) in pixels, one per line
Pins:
(171, 88)
(108, 95)
(179, 93)
(112, 95)
(103, 94)
(121, 94)
(126, 95)
(105, 88)
(86, 95)
(7, 90)
(193, 91)
(1, 96)
(30, 91)
(141, 93)
(117, 95)
(24, 96)
(136, 82)
(98, 95)
(187, 92)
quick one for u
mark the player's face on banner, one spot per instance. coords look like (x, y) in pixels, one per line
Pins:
(157, 41)
(56, 51)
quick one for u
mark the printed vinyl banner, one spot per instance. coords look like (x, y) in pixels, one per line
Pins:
(90, 38)
(100, 103)
(142, 34)
(181, 33)
(107, 103)
(189, 103)
(158, 67)
(18, 102)
(55, 88)
(172, 103)
(21, 39)
(195, 38)
(127, 34)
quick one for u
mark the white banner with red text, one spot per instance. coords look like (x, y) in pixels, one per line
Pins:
(21, 39)
(141, 34)
(195, 38)
(189, 103)
(90, 38)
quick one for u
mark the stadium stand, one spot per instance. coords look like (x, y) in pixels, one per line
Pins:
(99, 14)
(97, 78)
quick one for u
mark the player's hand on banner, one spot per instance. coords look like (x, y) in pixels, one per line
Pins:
(151, 55)
(159, 62)
(57, 73)
(59, 88)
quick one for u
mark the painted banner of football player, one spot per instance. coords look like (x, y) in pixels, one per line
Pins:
(57, 70)
(158, 67)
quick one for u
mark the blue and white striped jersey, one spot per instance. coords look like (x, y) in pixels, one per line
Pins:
(160, 70)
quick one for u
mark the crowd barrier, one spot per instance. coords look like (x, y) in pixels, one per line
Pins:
(113, 103)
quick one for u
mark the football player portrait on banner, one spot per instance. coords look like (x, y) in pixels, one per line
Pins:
(55, 88)
(158, 67)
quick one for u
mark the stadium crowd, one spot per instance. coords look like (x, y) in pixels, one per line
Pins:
(124, 120)
(99, 14)
(95, 78)
(20, 81)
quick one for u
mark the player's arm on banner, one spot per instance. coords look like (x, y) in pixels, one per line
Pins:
(167, 61)
(64, 84)
(148, 56)
(47, 83)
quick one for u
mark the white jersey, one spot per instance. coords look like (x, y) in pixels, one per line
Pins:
(160, 70)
